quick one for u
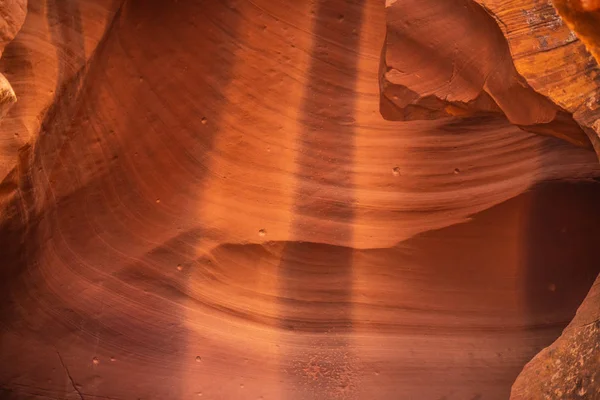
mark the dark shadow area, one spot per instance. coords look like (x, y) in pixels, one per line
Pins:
(315, 280)
(562, 230)
(319, 285)
(326, 145)
(18, 249)
(464, 308)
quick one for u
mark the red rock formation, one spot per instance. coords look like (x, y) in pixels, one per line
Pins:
(544, 78)
(12, 15)
(202, 198)
(476, 69)
(586, 5)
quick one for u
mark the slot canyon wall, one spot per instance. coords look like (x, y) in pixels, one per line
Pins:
(280, 199)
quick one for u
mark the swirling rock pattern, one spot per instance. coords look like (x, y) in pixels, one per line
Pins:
(492, 64)
(553, 48)
(12, 16)
(205, 201)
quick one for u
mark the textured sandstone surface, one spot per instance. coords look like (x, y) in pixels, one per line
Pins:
(12, 16)
(202, 199)
(535, 62)
(516, 58)
(550, 52)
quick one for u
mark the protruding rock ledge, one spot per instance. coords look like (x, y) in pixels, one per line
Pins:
(12, 17)
(522, 62)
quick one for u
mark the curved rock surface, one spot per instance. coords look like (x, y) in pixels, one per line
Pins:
(12, 15)
(201, 198)
(477, 70)
(554, 47)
